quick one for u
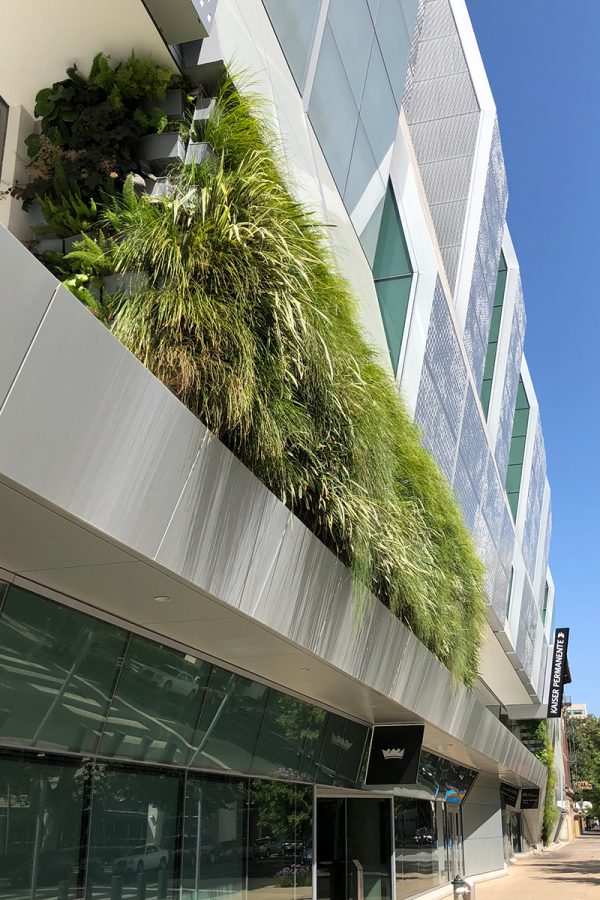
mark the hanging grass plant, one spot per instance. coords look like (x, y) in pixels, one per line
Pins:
(248, 322)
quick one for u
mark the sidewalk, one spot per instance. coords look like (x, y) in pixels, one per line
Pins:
(571, 872)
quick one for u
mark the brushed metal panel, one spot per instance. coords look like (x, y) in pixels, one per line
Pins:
(101, 438)
(26, 289)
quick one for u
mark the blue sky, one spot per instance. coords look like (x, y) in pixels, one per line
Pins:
(541, 57)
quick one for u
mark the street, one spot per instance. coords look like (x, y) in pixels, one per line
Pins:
(571, 872)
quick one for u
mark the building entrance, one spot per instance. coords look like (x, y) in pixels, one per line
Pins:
(354, 848)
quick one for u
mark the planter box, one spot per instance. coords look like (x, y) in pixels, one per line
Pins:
(198, 152)
(72, 239)
(49, 244)
(174, 105)
(204, 108)
(126, 283)
(159, 151)
(159, 187)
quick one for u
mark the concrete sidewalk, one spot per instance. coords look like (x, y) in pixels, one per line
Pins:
(571, 872)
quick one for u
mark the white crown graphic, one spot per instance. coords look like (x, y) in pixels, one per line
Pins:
(394, 753)
(339, 741)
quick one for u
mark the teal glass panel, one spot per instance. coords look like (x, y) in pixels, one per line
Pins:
(517, 449)
(391, 257)
(393, 295)
(510, 588)
(490, 362)
(280, 742)
(41, 808)
(513, 502)
(134, 836)
(352, 29)
(513, 478)
(157, 703)
(522, 401)
(57, 672)
(486, 392)
(214, 843)
(520, 422)
(230, 722)
(294, 24)
(495, 324)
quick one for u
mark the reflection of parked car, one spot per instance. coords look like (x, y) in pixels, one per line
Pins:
(230, 850)
(288, 848)
(424, 835)
(173, 681)
(141, 859)
(265, 847)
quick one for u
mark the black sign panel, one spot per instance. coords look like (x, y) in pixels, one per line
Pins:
(530, 798)
(557, 674)
(395, 753)
(509, 793)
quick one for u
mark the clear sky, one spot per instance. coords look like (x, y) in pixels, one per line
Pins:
(543, 62)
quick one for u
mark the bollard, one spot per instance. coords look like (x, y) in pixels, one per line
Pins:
(140, 891)
(163, 880)
(116, 887)
(463, 889)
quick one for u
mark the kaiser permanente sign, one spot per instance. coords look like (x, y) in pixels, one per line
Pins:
(557, 676)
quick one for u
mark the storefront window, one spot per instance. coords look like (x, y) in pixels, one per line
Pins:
(41, 815)
(134, 837)
(58, 673)
(419, 846)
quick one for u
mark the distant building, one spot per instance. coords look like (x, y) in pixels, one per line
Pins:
(577, 711)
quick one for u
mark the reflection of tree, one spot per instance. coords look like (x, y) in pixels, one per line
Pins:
(282, 809)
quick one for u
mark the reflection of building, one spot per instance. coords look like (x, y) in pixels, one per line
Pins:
(576, 711)
(186, 689)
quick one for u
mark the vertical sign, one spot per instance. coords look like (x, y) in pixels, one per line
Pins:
(557, 674)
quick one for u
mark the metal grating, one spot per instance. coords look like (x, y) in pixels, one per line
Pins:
(535, 498)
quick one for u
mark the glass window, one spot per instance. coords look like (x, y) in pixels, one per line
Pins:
(363, 176)
(517, 448)
(312, 742)
(294, 24)
(41, 808)
(393, 295)
(351, 753)
(280, 743)
(419, 846)
(332, 109)
(492, 348)
(214, 847)
(156, 706)
(279, 839)
(392, 34)
(230, 722)
(352, 30)
(134, 836)
(392, 256)
(57, 672)
(378, 110)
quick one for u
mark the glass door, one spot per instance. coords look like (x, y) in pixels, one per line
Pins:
(354, 849)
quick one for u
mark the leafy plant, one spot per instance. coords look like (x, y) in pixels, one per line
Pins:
(90, 126)
(69, 215)
(248, 322)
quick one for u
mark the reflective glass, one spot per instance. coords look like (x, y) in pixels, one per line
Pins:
(284, 727)
(294, 24)
(134, 836)
(419, 846)
(229, 724)
(392, 256)
(352, 30)
(330, 751)
(368, 839)
(393, 295)
(351, 753)
(312, 742)
(364, 184)
(214, 846)
(41, 807)
(378, 110)
(157, 703)
(394, 41)
(57, 671)
(271, 838)
(520, 422)
(332, 109)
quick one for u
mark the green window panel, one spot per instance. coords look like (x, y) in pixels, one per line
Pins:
(492, 348)
(391, 256)
(510, 589)
(393, 295)
(392, 272)
(545, 604)
(517, 448)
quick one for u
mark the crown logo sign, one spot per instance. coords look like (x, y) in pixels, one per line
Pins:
(338, 741)
(394, 753)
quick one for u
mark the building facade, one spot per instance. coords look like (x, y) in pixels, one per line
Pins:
(187, 698)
